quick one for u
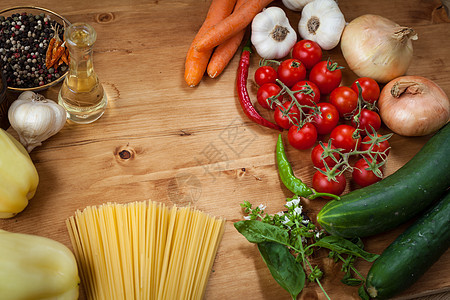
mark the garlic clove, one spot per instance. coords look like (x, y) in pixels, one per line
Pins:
(35, 119)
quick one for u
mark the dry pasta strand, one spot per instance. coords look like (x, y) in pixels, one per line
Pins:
(144, 250)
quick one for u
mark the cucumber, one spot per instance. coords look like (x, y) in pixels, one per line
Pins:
(395, 199)
(412, 253)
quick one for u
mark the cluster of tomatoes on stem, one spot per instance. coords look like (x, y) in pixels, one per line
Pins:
(293, 89)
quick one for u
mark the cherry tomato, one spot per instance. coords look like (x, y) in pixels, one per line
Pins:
(344, 99)
(318, 160)
(302, 138)
(308, 52)
(326, 76)
(291, 71)
(321, 183)
(283, 121)
(327, 120)
(367, 119)
(380, 147)
(306, 99)
(265, 74)
(266, 91)
(369, 88)
(342, 136)
(362, 175)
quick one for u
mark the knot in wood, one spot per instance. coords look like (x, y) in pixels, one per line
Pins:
(125, 154)
(104, 17)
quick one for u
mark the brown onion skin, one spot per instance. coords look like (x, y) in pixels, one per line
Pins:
(416, 114)
(376, 47)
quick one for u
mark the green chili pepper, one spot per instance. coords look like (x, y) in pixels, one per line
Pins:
(288, 178)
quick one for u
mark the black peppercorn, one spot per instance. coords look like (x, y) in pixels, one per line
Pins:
(23, 47)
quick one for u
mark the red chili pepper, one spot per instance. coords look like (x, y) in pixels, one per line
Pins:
(244, 98)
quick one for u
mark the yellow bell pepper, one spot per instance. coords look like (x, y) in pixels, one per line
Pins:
(35, 267)
(18, 176)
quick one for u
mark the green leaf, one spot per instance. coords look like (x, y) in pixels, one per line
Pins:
(258, 232)
(341, 245)
(284, 268)
(362, 293)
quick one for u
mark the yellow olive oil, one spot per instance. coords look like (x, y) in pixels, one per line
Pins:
(82, 94)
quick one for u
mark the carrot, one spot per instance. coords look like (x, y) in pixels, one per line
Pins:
(196, 61)
(225, 51)
(231, 25)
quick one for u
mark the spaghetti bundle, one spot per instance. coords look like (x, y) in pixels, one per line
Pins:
(144, 250)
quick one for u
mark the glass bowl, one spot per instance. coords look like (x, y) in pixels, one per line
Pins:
(43, 13)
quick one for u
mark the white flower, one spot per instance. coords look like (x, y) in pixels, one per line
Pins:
(317, 234)
(293, 202)
(262, 207)
(280, 213)
(304, 221)
(247, 218)
(298, 210)
(286, 220)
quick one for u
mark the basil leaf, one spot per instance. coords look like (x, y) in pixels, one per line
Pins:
(258, 232)
(362, 293)
(284, 268)
(341, 245)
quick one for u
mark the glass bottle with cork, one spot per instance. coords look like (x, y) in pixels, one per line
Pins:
(82, 94)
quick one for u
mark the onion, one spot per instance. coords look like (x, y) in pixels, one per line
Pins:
(413, 106)
(376, 47)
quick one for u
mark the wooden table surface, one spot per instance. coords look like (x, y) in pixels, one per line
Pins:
(195, 145)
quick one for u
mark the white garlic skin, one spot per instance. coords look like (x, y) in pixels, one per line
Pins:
(263, 25)
(331, 23)
(35, 119)
(295, 5)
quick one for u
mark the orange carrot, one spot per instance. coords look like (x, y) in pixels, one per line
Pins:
(225, 51)
(196, 61)
(231, 25)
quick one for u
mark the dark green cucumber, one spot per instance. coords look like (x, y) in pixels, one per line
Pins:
(395, 199)
(412, 253)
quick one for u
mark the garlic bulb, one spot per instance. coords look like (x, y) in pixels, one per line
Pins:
(296, 5)
(376, 47)
(35, 118)
(272, 35)
(322, 22)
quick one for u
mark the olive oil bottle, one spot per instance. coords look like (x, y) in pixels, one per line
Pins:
(82, 94)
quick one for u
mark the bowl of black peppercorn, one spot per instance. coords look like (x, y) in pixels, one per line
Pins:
(25, 35)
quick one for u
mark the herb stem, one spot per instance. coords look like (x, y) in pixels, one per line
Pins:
(353, 269)
(312, 269)
(323, 290)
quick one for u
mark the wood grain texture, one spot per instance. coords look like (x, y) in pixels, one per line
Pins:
(162, 140)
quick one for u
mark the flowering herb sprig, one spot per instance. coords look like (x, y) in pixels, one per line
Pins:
(290, 236)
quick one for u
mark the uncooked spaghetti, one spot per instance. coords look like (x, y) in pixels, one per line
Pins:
(144, 250)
